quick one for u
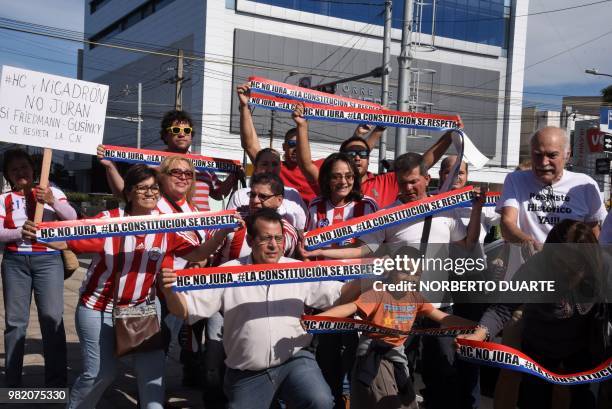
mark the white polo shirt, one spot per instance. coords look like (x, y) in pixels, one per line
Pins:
(262, 323)
(293, 207)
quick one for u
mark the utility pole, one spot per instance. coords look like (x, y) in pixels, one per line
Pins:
(178, 100)
(405, 61)
(384, 92)
(139, 130)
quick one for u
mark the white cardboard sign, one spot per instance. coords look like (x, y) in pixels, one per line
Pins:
(50, 111)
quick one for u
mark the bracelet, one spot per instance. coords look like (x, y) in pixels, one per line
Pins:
(486, 330)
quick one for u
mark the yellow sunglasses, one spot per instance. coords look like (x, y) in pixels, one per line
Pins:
(178, 129)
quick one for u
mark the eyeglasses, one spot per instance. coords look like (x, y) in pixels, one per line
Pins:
(262, 197)
(175, 130)
(291, 143)
(180, 174)
(336, 177)
(144, 189)
(279, 239)
(362, 153)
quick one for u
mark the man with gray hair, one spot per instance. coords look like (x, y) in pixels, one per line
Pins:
(534, 200)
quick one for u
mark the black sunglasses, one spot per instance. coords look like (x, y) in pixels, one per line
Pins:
(362, 153)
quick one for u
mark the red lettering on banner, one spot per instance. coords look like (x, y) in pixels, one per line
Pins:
(595, 140)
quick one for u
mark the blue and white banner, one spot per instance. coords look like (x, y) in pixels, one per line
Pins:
(267, 274)
(382, 219)
(397, 119)
(501, 356)
(320, 324)
(47, 232)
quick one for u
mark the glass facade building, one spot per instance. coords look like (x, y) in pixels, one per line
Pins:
(477, 21)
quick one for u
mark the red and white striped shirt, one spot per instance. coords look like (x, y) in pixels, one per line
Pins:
(235, 244)
(205, 182)
(13, 214)
(322, 212)
(164, 206)
(143, 258)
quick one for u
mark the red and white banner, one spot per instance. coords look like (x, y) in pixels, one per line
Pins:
(319, 324)
(267, 274)
(151, 157)
(385, 218)
(134, 225)
(288, 91)
(347, 114)
(501, 356)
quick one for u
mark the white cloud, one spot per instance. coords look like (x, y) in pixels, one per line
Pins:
(552, 33)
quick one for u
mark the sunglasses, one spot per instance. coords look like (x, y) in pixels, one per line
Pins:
(292, 143)
(362, 153)
(175, 130)
(262, 197)
(178, 173)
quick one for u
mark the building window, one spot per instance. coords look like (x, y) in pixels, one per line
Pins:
(95, 5)
(477, 21)
(127, 21)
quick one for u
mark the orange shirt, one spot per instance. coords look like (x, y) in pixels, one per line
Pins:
(393, 311)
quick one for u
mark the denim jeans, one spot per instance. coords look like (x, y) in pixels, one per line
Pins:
(43, 274)
(97, 339)
(298, 382)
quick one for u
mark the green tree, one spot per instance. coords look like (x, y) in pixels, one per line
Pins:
(606, 94)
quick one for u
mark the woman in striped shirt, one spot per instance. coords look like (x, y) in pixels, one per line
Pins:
(29, 266)
(136, 259)
(341, 199)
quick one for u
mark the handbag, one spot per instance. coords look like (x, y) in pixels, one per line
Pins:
(137, 327)
(71, 263)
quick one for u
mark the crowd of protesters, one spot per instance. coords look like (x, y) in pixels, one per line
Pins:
(244, 345)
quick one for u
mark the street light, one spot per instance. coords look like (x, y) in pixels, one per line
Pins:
(595, 71)
(273, 112)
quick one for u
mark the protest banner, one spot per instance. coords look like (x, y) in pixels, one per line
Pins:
(321, 324)
(47, 232)
(502, 356)
(151, 157)
(50, 111)
(382, 219)
(268, 274)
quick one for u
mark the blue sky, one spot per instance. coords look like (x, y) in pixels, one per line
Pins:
(548, 34)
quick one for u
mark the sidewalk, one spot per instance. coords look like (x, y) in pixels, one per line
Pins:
(122, 394)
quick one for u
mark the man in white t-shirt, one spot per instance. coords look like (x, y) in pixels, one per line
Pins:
(293, 208)
(533, 201)
(267, 349)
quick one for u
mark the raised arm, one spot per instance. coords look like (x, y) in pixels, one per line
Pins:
(374, 134)
(304, 157)
(114, 179)
(248, 135)
(435, 152)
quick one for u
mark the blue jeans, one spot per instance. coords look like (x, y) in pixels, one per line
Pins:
(97, 338)
(298, 382)
(43, 274)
